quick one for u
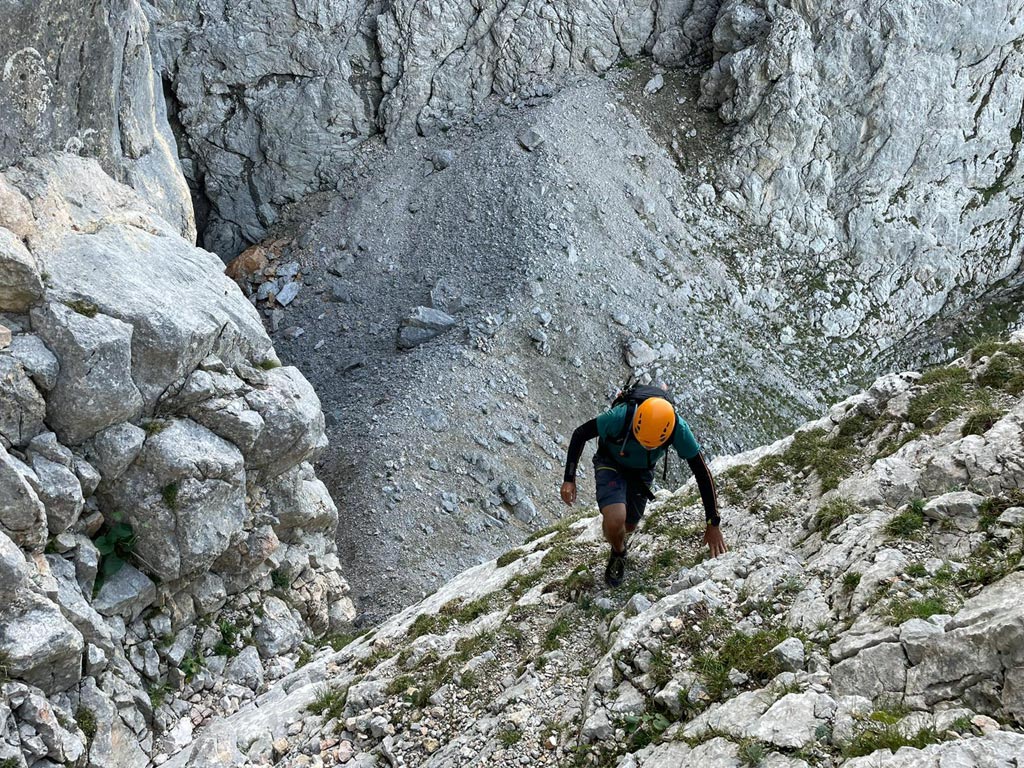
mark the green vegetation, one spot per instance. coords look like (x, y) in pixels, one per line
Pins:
(116, 543)
(946, 393)
(191, 664)
(851, 580)
(556, 527)
(403, 684)
(962, 724)
(645, 729)
(158, 693)
(86, 720)
(82, 307)
(375, 657)
(155, 426)
(269, 364)
(917, 570)
(228, 635)
(812, 452)
(559, 553)
(1005, 371)
(509, 736)
(453, 612)
(881, 731)
(752, 753)
(558, 629)
(994, 506)
(509, 557)
(901, 610)
(578, 583)
(749, 654)
(169, 493)
(907, 523)
(280, 579)
(981, 419)
(329, 702)
(832, 513)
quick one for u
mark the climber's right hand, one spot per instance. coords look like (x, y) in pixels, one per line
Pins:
(569, 493)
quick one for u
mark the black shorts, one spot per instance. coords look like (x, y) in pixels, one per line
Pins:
(616, 485)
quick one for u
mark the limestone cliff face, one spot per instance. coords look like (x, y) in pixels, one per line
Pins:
(81, 79)
(156, 495)
(883, 137)
(879, 142)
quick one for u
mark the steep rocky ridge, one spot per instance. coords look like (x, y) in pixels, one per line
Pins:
(870, 604)
(156, 497)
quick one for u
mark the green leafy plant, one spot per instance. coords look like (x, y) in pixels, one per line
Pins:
(191, 664)
(644, 729)
(851, 580)
(116, 543)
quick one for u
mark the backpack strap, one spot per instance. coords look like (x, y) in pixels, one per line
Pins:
(627, 424)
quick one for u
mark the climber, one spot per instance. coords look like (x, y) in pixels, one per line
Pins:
(633, 434)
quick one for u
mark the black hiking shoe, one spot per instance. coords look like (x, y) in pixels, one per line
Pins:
(615, 569)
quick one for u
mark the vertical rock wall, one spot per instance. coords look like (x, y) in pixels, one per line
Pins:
(80, 78)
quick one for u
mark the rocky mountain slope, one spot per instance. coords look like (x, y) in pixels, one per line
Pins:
(156, 496)
(867, 615)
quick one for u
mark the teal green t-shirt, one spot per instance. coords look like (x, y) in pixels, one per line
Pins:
(634, 455)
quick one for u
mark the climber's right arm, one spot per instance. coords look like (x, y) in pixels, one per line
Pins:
(583, 433)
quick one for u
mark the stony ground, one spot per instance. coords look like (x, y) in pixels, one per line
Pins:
(870, 604)
(601, 251)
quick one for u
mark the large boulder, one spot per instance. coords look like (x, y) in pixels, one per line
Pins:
(980, 653)
(38, 644)
(21, 285)
(114, 449)
(22, 408)
(293, 428)
(95, 389)
(22, 515)
(114, 255)
(278, 631)
(60, 491)
(126, 593)
(184, 496)
(299, 500)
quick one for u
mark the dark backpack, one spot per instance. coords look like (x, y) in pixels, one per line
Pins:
(632, 395)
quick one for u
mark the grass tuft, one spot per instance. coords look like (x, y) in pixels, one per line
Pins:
(832, 513)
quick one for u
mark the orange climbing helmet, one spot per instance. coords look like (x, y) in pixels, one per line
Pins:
(653, 422)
